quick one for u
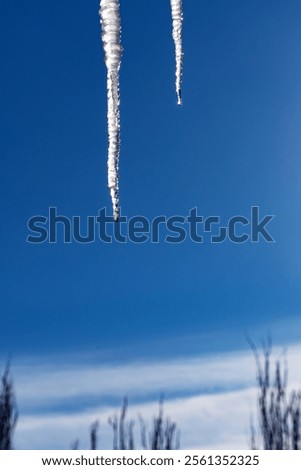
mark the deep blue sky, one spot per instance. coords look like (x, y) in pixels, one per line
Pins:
(236, 142)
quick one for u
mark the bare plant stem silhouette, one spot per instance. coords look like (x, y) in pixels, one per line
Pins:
(123, 430)
(75, 445)
(8, 411)
(278, 411)
(163, 435)
(94, 435)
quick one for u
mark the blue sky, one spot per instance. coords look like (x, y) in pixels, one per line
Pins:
(235, 143)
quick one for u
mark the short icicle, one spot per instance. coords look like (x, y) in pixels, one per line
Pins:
(177, 23)
(111, 38)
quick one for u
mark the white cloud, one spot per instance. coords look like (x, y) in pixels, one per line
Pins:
(134, 379)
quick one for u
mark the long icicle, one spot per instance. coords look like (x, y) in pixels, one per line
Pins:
(111, 38)
(177, 22)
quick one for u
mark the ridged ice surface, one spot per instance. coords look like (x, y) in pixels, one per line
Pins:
(111, 38)
(177, 22)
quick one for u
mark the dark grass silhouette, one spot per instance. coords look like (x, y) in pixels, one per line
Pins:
(278, 410)
(8, 411)
(164, 434)
(94, 435)
(123, 430)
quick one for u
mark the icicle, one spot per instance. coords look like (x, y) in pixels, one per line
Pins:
(177, 21)
(111, 37)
